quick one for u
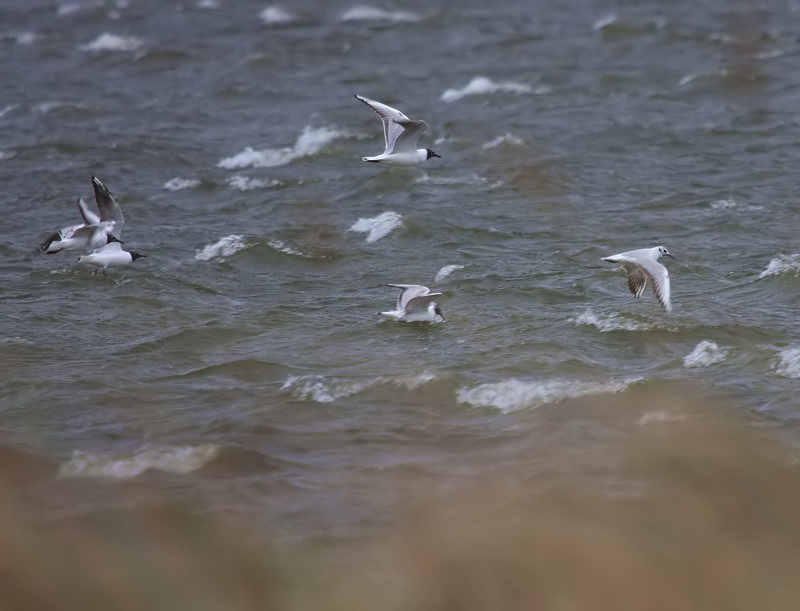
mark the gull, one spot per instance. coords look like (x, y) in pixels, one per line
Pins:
(642, 267)
(401, 134)
(96, 229)
(415, 303)
(110, 255)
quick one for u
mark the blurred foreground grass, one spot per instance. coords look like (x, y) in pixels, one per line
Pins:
(708, 518)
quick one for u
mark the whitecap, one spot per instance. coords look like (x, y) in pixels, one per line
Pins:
(310, 141)
(788, 364)
(514, 394)
(504, 139)
(604, 22)
(173, 459)
(274, 15)
(7, 155)
(480, 85)
(286, 249)
(782, 264)
(74, 7)
(445, 271)
(704, 354)
(723, 204)
(243, 183)
(423, 178)
(208, 4)
(379, 226)
(415, 381)
(179, 184)
(224, 247)
(25, 38)
(659, 417)
(112, 42)
(609, 322)
(320, 389)
(7, 109)
(371, 13)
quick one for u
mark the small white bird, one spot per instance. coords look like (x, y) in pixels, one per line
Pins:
(110, 255)
(415, 303)
(96, 229)
(401, 134)
(641, 267)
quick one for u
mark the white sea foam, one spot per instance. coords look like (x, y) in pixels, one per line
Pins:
(788, 364)
(286, 249)
(514, 394)
(659, 417)
(243, 183)
(379, 226)
(7, 109)
(423, 178)
(112, 42)
(25, 38)
(74, 7)
(704, 354)
(480, 85)
(275, 15)
(609, 322)
(173, 459)
(224, 247)
(321, 389)
(504, 139)
(7, 155)
(179, 184)
(604, 22)
(445, 271)
(310, 141)
(371, 13)
(782, 264)
(723, 204)
(208, 4)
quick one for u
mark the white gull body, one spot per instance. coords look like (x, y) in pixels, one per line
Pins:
(110, 255)
(642, 268)
(415, 303)
(401, 135)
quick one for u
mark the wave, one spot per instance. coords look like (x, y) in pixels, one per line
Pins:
(610, 322)
(243, 183)
(788, 364)
(782, 264)
(173, 459)
(514, 394)
(480, 85)
(321, 389)
(704, 354)
(379, 226)
(112, 42)
(286, 249)
(310, 142)
(74, 7)
(445, 272)
(179, 184)
(504, 139)
(371, 13)
(224, 247)
(275, 15)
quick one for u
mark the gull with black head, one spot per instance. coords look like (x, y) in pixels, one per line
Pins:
(401, 135)
(415, 303)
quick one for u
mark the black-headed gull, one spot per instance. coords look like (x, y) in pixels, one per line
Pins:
(110, 255)
(415, 303)
(401, 134)
(641, 267)
(96, 229)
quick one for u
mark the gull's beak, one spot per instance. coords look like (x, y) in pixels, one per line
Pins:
(671, 257)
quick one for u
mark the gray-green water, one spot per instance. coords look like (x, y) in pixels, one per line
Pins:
(244, 357)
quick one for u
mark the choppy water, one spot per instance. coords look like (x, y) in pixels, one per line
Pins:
(243, 358)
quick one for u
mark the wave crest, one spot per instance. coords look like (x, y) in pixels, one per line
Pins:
(224, 247)
(310, 142)
(379, 226)
(173, 459)
(480, 85)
